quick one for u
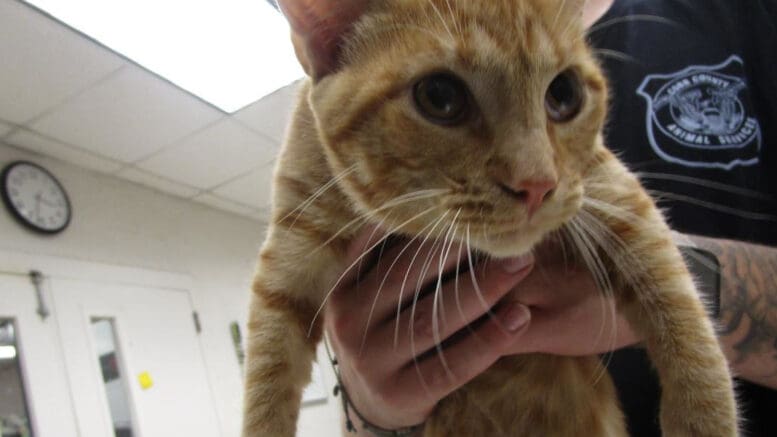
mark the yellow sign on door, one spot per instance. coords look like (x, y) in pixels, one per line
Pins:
(145, 381)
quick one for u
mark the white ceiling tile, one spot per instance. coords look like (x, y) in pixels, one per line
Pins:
(129, 116)
(223, 151)
(157, 183)
(45, 146)
(44, 62)
(271, 114)
(252, 189)
(224, 204)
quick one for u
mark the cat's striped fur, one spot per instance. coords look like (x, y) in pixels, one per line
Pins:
(357, 152)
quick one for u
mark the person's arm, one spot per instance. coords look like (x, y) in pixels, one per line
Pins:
(570, 320)
(748, 307)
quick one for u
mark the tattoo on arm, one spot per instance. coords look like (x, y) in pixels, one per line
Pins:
(748, 304)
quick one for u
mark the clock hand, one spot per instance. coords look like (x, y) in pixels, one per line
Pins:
(46, 202)
(37, 206)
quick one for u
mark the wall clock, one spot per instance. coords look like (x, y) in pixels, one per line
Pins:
(35, 197)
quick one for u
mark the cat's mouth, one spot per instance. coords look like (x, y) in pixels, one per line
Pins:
(517, 237)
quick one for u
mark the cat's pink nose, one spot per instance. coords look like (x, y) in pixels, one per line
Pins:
(532, 193)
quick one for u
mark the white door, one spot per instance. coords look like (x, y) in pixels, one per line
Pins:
(136, 364)
(34, 390)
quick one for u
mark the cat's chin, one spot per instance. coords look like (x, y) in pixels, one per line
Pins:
(507, 244)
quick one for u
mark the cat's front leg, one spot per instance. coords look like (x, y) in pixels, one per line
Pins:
(284, 328)
(660, 300)
(697, 393)
(279, 359)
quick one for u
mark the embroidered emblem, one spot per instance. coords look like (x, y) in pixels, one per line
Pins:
(698, 117)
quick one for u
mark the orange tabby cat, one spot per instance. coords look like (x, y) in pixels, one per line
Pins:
(480, 120)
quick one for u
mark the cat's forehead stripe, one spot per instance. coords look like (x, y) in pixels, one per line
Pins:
(528, 43)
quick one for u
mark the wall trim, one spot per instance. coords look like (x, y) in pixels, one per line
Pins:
(53, 267)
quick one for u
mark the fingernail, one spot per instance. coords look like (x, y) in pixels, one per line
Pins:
(515, 316)
(515, 265)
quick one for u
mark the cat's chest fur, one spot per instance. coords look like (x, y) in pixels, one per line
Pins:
(482, 121)
(533, 395)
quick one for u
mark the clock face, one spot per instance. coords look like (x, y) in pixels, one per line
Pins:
(35, 197)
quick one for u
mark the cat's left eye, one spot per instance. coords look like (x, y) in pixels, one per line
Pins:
(564, 98)
(442, 98)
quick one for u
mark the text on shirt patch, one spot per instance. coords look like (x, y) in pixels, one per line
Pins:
(699, 117)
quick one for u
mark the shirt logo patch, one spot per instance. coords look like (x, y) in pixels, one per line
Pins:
(699, 117)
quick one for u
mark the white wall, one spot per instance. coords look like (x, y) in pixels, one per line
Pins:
(120, 223)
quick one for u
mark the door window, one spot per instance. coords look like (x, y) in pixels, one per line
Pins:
(14, 417)
(114, 382)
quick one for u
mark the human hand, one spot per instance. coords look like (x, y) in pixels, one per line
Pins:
(569, 315)
(387, 361)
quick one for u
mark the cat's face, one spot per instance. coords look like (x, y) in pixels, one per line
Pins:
(488, 110)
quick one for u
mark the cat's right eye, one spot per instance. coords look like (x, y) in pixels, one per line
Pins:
(564, 98)
(442, 98)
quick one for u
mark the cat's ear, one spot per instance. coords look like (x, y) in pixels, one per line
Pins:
(318, 27)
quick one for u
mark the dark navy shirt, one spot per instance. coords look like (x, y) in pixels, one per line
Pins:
(694, 98)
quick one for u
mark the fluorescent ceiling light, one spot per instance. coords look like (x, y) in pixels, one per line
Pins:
(227, 52)
(7, 352)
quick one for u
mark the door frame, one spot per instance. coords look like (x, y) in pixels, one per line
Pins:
(19, 263)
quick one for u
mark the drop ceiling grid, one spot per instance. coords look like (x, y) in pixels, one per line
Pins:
(271, 114)
(253, 188)
(212, 157)
(35, 142)
(83, 104)
(129, 116)
(44, 63)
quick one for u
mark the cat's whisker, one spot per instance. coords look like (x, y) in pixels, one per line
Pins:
(413, 309)
(627, 263)
(454, 18)
(438, 298)
(630, 18)
(712, 206)
(587, 250)
(484, 229)
(442, 19)
(558, 14)
(705, 183)
(591, 242)
(300, 210)
(572, 23)
(339, 280)
(619, 255)
(400, 200)
(618, 56)
(380, 255)
(395, 27)
(562, 243)
(388, 272)
(416, 296)
(407, 274)
(628, 270)
(457, 293)
(475, 285)
(378, 227)
(346, 271)
(451, 241)
(604, 237)
(615, 211)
